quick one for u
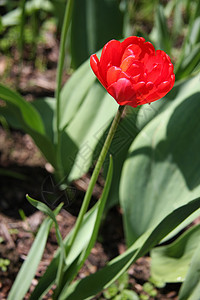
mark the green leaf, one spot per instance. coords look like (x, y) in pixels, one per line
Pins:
(74, 92)
(189, 57)
(89, 286)
(29, 114)
(29, 267)
(83, 98)
(13, 116)
(102, 202)
(94, 23)
(190, 289)
(45, 209)
(1, 25)
(13, 174)
(45, 146)
(111, 291)
(83, 238)
(189, 62)
(177, 19)
(58, 8)
(194, 36)
(127, 295)
(170, 263)
(160, 33)
(123, 281)
(158, 175)
(46, 109)
(96, 113)
(182, 88)
(88, 247)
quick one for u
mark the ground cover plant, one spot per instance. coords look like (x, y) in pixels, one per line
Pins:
(149, 156)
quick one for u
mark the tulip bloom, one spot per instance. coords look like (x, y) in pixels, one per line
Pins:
(132, 71)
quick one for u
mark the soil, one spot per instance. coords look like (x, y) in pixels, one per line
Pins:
(23, 171)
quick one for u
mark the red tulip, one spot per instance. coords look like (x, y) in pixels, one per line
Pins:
(132, 71)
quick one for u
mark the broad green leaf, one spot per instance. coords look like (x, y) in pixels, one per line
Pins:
(46, 109)
(74, 92)
(182, 88)
(162, 171)
(170, 263)
(11, 18)
(29, 114)
(190, 289)
(90, 286)
(83, 98)
(94, 23)
(13, 116)
(45, 146)
(95, 113)
(29, 267)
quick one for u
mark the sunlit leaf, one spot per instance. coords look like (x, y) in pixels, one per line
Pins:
(162, 171)
(170, 263)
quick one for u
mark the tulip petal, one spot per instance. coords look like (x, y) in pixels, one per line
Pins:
(135, 51)
(113, 75)
(154, 74)
(147, 51)
(121, 90)
(132, 40)
(172, 77)
(94, 63)
(110, 56)
(127, 63)
(149, 85)
(135, 69)
(164, 87)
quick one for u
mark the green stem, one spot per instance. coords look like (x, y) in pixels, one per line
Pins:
(95, 175)
(62, 52)
(34, 23)
(22, 24)
(21, 39)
